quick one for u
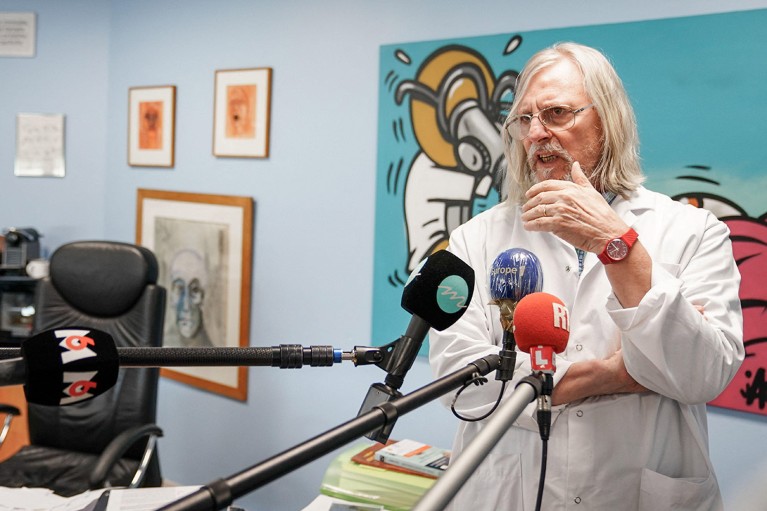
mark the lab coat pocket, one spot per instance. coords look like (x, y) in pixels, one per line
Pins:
(493, 485)
(678, 494)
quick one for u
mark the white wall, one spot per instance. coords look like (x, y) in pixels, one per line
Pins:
(314, 196)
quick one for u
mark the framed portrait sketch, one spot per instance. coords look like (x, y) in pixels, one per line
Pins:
(241, 113)
(151, 126)
(203, 245)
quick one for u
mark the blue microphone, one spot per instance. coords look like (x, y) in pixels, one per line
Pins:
(515, 273)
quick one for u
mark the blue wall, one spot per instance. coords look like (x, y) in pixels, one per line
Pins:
(314, 196)
(68, 76)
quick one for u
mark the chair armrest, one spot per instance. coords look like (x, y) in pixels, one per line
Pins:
(10, 412)
(117, 448)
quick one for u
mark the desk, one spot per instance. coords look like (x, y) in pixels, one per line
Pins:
(17, 299)
(18, 435)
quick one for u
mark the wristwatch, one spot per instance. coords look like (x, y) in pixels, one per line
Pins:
(617, 249)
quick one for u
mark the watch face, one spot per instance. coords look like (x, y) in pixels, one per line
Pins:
(617, 249)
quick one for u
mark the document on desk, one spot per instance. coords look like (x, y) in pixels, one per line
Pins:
(43, 499)
(139, 499)
(146, 499)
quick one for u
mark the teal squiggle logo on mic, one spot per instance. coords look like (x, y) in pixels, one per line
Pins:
(452, 294)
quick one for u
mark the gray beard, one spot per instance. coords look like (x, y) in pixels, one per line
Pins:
(547, 175)
(552, 148)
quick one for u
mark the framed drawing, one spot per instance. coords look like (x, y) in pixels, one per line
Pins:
(151, 126)
(203, 245)
(241, 113)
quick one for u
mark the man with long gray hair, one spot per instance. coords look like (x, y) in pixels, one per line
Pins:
(652, 289)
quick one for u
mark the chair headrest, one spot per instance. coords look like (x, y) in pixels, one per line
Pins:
(102, 278)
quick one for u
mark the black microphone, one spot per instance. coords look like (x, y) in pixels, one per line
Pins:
(436, 294)
(63, 367)
(515, 273)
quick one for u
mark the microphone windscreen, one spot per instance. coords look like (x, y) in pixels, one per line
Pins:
(439, 290)
(541, 319)
(68, 365)
(514, 274)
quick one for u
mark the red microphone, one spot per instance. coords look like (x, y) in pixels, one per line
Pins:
(542, 328)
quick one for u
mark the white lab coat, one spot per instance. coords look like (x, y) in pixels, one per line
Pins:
(622, 452)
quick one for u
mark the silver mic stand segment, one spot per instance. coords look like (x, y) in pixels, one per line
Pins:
(460, 469)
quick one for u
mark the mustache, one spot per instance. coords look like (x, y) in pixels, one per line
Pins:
(551, 147)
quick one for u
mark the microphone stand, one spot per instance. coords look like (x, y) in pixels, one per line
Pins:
(284, 356)
(396, 359)
(220, 493)
(460, 469)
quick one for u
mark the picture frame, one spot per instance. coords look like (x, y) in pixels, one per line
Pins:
(241, 119)
(152, 126)
(203, 244)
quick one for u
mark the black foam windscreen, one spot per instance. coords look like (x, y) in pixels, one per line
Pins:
(439, 290)
(69, 365)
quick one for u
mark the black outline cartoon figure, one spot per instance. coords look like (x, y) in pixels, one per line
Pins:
(455, 111)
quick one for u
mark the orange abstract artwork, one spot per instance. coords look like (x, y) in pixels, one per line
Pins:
(241, 111)
(150, 126)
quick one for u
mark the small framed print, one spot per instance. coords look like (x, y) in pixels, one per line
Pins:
(151, 126)
(241, 113)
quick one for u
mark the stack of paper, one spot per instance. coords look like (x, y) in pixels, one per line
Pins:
(43, 499)
(139, 499)
(394, 490)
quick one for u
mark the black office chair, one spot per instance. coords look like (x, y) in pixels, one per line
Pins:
(110, 440)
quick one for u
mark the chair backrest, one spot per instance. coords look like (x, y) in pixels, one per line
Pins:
(109, 286)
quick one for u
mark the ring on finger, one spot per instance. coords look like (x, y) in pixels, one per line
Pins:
(544, 210)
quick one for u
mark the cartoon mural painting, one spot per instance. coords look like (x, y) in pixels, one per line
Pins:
(440, 160)
(748, 390)
(455, 111)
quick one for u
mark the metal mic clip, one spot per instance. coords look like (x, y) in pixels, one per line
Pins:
(508, 351)
(364, 355)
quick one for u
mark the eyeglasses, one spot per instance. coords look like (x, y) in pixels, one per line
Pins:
(553, 118)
